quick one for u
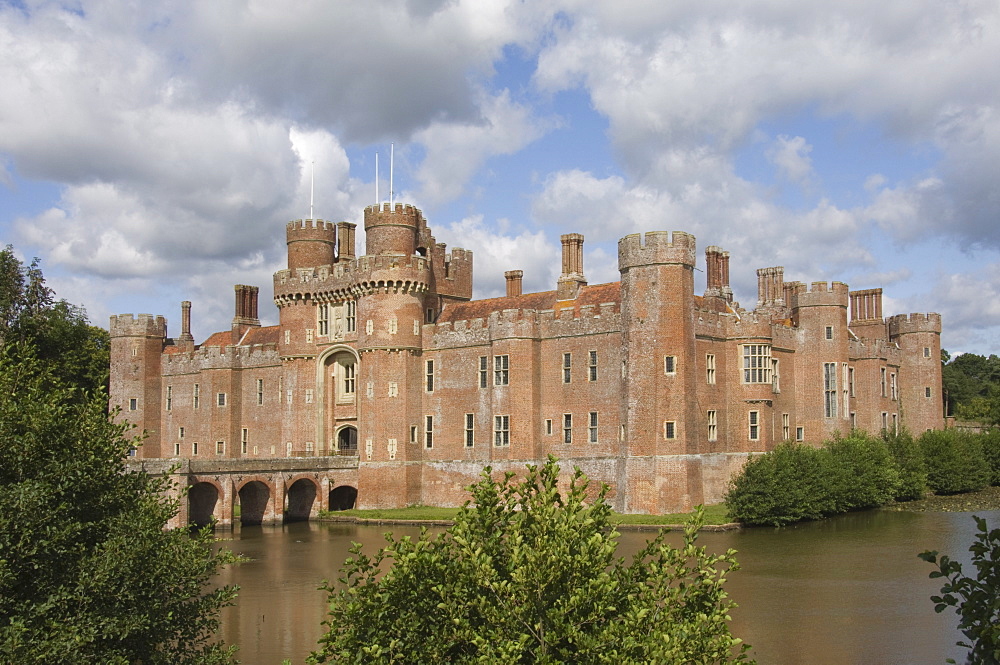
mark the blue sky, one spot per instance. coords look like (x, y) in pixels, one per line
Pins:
(152, 152)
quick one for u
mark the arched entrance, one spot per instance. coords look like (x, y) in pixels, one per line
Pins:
(202, 499)
(301, 496)
(347, 441)
(337, 382)
(343, 497)
(254, 497)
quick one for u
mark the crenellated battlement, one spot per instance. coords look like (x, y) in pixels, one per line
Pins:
(537, 324)
(656, 247)
(305, 226)
(817, 294)
(143, 325)
(231, 356)
(902, 324)
(401, 214)
(352, 279)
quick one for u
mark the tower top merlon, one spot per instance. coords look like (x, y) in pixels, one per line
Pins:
(902, 324)
(311, 243)
(656, 248)
(393, 229)
(143, 325)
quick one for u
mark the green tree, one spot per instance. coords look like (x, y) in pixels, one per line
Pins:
(88, 573)
(975, 599)
(529, 574)
(60, 333)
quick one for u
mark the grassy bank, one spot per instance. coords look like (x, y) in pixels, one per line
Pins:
(986, 499)
(714, 515)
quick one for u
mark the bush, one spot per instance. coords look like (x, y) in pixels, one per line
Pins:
(528, 574)
(975, 600)
(909, 461)
(788, 484)
(862, 473)
(955, 461)
(991, 451)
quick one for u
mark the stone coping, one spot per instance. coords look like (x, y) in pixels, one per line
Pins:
(379, 521)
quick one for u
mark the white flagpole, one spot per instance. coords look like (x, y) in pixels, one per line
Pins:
(377, 201)
(312, 189)
(392, 194)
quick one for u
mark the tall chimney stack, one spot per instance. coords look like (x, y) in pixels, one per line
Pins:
(513, 282)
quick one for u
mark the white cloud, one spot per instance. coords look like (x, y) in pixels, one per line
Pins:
(791, 156)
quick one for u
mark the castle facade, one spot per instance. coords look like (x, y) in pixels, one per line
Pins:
(646, 386)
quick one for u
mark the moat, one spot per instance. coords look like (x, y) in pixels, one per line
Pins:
(846, 590)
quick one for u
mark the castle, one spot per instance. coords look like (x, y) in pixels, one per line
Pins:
(646, 386)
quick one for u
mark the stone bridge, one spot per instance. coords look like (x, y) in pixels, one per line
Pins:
(267, 491)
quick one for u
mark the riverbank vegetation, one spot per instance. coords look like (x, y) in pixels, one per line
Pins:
(529, 574)
(796, 482)
(88, 574)
(712, 515)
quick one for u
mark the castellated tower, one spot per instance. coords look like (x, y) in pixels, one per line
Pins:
(136, 345)
(658, 342)
(392, 280)
(919, 340)
(822, 369)
(311, 243)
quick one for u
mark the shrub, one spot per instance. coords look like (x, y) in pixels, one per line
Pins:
(954, 460)
(862, 473)
(909, 461)
(991, 451)
(788, 484)
(529, 574)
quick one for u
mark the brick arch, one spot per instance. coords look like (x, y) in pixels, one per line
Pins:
(301, 494)
(202, 505)
(257, 496)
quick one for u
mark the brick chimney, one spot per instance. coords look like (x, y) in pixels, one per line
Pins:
(246, 311)
(572, 277)
(345, 241)
(185, 339)
(513, 278)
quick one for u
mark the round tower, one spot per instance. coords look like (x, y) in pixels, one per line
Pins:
(311, 243)
(392, 229)
(391, 283)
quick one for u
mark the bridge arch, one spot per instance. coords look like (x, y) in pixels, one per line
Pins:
(204, 497)
(300, 497)
(256, 501)
(343, 497)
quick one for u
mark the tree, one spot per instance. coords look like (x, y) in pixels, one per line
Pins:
(529, 574)
(59, 332)
(975, 599)
(88, 573)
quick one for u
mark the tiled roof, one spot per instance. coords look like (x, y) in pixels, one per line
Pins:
(597, 294)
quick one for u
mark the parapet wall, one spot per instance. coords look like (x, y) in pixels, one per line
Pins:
(902, 324)
(526, 323)
(835, 294)
(656, 248)
(143, 325)
(220, 357)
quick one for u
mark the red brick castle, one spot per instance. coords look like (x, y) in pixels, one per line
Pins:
(646, 386)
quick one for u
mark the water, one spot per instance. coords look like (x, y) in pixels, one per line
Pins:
(849, 590)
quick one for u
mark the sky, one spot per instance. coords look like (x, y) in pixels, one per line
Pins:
(152, 152)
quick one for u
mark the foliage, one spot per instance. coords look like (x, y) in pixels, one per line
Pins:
(788, 484)
(909, 461)
(58, 331)
(88, 574)
(528, 574)
(975, 600)
(972, 387)
(990, 441)
(955, 461)
(863, 473)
